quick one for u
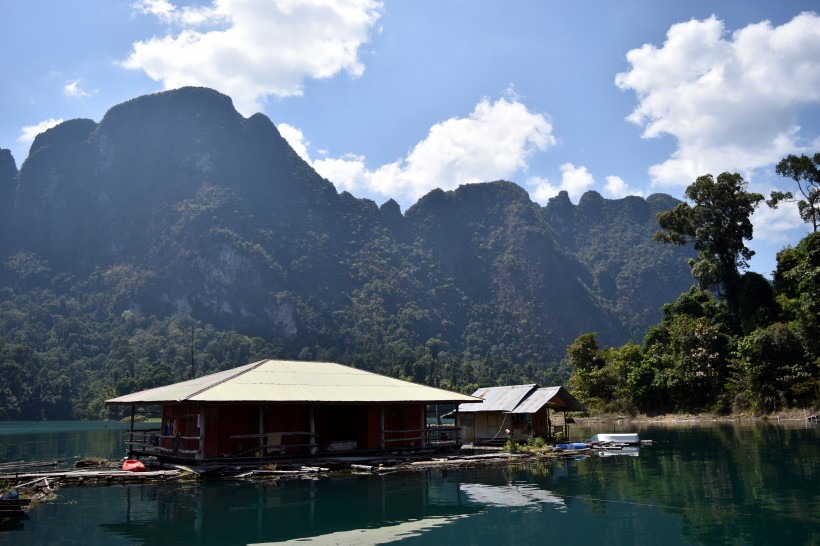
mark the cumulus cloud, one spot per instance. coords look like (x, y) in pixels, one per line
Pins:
(574, 180)
(777, 225)
(296, 140)
(616, 188)
(29, 132)
(496, 140)
(73, 90)
(253, 49)
(730, 100)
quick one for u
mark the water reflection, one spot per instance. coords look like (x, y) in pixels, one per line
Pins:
(370, 507)
(515, 495)
(697, 484)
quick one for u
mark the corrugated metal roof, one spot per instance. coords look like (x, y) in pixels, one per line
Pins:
(557, 398)
(498, 398)
(293, 381)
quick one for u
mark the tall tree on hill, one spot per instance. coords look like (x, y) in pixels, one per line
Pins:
(717, 224)
(803, 170)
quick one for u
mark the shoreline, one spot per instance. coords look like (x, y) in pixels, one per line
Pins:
(786, 415)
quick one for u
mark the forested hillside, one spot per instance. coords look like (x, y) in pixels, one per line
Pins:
(736, 342)
(175, 226)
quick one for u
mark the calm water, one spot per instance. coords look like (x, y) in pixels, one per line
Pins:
(698, 484)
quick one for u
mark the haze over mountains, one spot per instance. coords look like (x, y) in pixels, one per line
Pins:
(175, 204)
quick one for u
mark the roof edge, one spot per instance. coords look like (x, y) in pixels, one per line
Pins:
(247, 369)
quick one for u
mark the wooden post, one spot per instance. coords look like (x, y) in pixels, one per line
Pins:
(458, 428)
(423, 425)
(566, 427)
(313, 448)
(382, 427)
(261, 431)
(130, 450)
(201, 453)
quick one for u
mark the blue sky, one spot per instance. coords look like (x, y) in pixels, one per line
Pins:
(392, 99)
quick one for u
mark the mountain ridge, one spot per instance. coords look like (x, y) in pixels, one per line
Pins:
(181, 206)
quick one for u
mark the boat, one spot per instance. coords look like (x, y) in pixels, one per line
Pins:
(572, 445)
(132, 465)
(622, 438)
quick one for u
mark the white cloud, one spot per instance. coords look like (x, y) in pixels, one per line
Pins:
(777, 225)
(296, 140)
(29, 132)
(348, 173)
(731, 101)
(73, 90)
(541, 190)
(574, 180)
(616, 188)
(495, 141)
(252, 49)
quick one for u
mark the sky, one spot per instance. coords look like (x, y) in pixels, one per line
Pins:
(394, 98)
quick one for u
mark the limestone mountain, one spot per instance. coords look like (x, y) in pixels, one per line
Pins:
(175, 204)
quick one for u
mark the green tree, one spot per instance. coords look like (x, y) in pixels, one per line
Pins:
(803, 170)
(591, 378)
(771, 360)
(717, 224)
(797, 283)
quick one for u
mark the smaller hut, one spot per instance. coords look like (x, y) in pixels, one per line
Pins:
(518, 411)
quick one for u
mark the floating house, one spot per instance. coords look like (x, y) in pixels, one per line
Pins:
(517, 410)
(279, 408)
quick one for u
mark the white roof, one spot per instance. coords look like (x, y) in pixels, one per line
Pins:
(499, 398)
(557, 398)
(522, 399)
(293, 381)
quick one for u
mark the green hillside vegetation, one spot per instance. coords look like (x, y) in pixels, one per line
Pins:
(734, 342)
(175, 214)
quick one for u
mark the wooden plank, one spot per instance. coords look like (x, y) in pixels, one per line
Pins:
(12, 513)
(5, 503)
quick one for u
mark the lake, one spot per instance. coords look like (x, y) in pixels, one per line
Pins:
(699, 483)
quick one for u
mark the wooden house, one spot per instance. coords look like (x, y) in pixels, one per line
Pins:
(516, 410)
(279, 408)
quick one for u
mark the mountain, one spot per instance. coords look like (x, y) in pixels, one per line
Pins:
(174, 204)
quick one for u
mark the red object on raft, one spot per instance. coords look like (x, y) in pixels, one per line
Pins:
(133, 465)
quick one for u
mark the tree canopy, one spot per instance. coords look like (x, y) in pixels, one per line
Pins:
(718, 223)
(803, 170)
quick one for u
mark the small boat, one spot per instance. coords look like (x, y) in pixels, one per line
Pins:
(623, 438)
(133, 465)
(572, 445)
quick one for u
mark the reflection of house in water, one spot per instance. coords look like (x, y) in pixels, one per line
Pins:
(367, 508)
(275, 408)
(221, 512)
(520, 409)
(516, 494)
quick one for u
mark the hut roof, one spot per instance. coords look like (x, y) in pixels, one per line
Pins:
(522, 399)
(292, 381)
(499, 398)
(557, 398)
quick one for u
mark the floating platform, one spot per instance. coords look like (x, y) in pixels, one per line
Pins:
(620, 438)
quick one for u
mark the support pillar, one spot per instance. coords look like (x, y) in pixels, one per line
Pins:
(382, 428)
(424, 426)
(261, 431)
(130, 450)
(201, 453)
(313, 448)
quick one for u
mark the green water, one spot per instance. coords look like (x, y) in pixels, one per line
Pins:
(698, 484)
